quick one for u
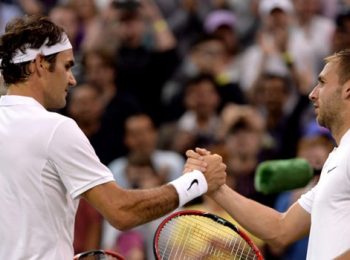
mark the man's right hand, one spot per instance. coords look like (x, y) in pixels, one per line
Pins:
(215, 173)
(215, 170)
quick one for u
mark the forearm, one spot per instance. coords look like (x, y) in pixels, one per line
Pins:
(142, 206)
(164, 38)
(277, 229)
(125, 209)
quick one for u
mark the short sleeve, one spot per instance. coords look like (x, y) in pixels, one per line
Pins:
(75, 159)
(306, 200)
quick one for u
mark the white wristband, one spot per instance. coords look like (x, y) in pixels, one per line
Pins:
(189, 186)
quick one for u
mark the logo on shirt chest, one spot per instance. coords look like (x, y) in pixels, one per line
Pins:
(331, 169)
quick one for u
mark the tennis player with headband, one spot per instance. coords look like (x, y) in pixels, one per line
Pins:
(46, 162)
(323, 212)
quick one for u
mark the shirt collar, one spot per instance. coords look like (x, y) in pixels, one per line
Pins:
(12, 100)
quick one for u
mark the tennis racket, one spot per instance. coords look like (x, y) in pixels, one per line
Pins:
(192, 234)
(98, 255)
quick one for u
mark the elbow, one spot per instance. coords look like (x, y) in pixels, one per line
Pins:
(278, 243)
(122, 224)
(280, 240)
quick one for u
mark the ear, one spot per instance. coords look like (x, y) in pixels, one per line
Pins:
(40, 65)
(346, 90)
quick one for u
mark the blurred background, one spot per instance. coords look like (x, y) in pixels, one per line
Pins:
(158, 77)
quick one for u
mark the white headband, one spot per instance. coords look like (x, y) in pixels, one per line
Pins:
(30, 54)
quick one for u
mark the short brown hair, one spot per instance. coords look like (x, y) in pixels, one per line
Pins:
(342, 58)
(21, 33)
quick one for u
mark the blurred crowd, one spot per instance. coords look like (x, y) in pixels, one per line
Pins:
(158, 77)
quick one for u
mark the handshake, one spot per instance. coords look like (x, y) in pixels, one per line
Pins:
(206, 173)
(203, 173)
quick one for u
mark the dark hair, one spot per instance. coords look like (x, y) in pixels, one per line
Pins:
(21, 33)
(241, 124)
(272, 76)
(341, 18)
(204, 38)
(126, 4)
(199, 78)
(107, 57)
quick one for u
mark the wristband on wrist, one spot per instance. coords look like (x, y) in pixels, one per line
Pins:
(189, 186)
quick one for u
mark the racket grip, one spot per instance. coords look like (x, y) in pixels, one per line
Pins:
(189, 186)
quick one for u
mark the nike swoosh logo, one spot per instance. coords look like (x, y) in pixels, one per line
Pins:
(195, 181)
(331, 169)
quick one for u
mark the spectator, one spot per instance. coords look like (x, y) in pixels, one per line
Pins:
(208, 55)
(341, 37)
(100, 71)
(67, 17)
(144, 64)
(141, 138)
(222, 23)
(199, 123)
(309, 24)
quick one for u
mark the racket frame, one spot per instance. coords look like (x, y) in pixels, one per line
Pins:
(215, 218)
(98, 252)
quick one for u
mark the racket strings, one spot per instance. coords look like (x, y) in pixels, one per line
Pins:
(202, 238)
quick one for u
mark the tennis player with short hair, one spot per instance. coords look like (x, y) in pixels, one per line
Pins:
(46, 162)
(323, 212)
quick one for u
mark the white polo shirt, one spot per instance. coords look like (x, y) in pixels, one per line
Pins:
(46, 162)
(329, 205)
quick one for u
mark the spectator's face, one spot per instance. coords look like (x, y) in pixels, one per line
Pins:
(131, 30)
(315, 154)
(210, 57)
(202, 98)
(277, 19)
(341, 37)
(85, 105)
(141, 136)
(247, 141)
(86, 9)
(229, 36)
(274, 94)
(68, 20)
(97, 72)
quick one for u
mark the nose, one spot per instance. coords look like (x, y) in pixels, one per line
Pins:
(72, 81)
(313, 93)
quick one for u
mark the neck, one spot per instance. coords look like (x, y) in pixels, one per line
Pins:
(339, 128)
(25, 89)
(338, 134)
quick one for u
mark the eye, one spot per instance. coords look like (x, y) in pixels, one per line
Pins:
(69, 65)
